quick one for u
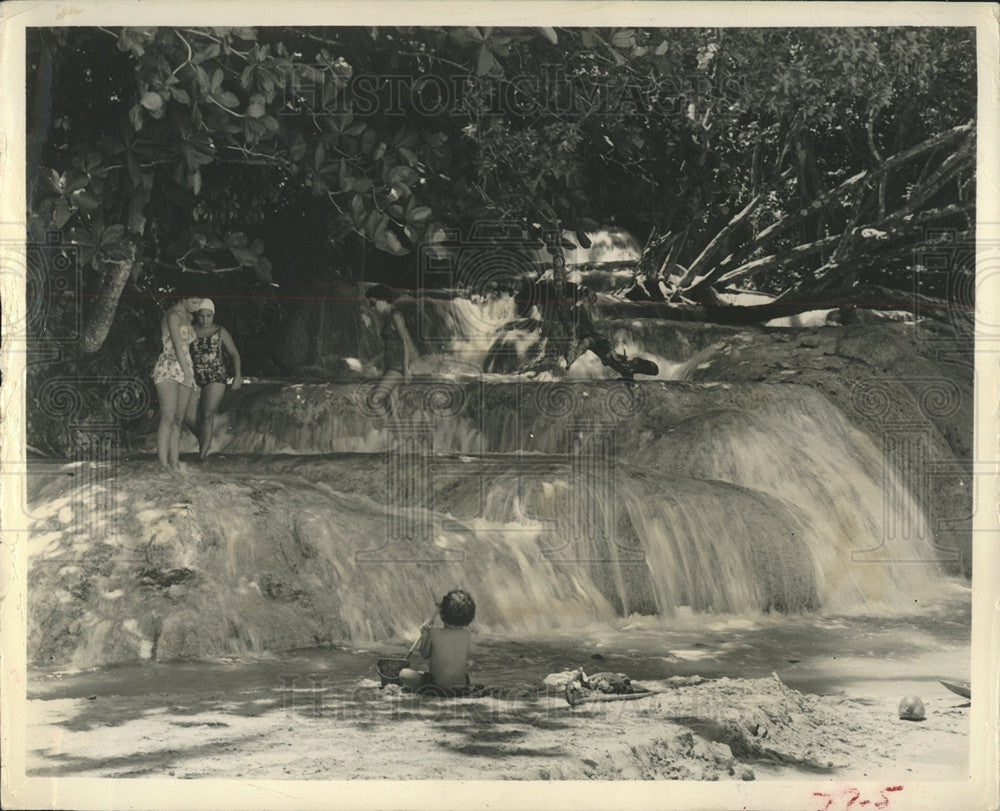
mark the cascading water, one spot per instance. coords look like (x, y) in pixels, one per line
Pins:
(457, 333)
(559, 503)
(460, 333)
(463, 336)
(242, 564)
(865, 532)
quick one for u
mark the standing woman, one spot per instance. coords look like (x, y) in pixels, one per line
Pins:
(210, 372)
(173, 375)
(399, 350)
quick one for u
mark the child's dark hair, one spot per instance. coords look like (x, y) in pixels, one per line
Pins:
(457, 608)
(381, 292)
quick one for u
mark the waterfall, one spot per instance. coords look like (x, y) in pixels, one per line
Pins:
(466, 332)
(550, 522)
(558, 501)
(554, 503)
(457, 333)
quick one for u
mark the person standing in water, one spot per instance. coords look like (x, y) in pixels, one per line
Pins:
(173, 375)
(210, 372)
(398, 351)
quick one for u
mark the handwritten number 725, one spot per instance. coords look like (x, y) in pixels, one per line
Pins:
(853, 797)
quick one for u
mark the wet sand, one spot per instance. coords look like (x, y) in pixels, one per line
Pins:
(319, 714)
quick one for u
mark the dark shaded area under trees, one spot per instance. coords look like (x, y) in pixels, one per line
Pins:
(269, 165)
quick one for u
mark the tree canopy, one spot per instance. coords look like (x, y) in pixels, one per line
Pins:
(736, 154)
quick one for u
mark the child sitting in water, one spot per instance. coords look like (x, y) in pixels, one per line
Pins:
(447, 648)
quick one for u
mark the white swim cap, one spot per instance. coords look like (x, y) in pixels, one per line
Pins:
(206, 304)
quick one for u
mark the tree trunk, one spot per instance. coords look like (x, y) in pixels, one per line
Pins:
(116, 275)
(863, 297)
(866, 297)
(360, 267)
(899, 224)
(896, 230)
(99, 321)
(933, 184)
(783, 225)
(716, 245)
(558, 256)
(41, 115)
(655, 251)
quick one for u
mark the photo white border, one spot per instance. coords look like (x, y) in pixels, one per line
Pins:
(980, 790)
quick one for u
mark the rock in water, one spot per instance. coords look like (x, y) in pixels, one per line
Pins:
(911, 708)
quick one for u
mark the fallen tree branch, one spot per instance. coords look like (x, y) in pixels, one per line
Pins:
(675, 249)
(863, 296)
(786, 223)
(577, 697)
(923, 192)
(717, 241)
(799, 252)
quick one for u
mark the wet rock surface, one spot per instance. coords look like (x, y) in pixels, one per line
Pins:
(879, 377)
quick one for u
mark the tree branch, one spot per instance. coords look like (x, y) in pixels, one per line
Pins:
(713, 247)
(800, 252)
(867, 296)
(918, 196)
(190, 54)
(783, 225)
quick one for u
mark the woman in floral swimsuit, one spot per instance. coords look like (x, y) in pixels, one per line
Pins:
(210, 372)
(173, 375)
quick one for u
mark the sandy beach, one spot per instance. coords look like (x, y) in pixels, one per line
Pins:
(319, 715)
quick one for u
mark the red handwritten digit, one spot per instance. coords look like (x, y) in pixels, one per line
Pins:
(854, 796)
(885, 800)
(829, 799)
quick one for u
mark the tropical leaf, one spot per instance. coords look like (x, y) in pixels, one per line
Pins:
(549, 34)
(112, 234)
(486, 63)
(418, 214)
(387, 241)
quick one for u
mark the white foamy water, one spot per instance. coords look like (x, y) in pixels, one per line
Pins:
(686, 502)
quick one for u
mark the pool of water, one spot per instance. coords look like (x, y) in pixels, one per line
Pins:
(810, 652)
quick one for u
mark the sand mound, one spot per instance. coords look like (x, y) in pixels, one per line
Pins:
(728, 729)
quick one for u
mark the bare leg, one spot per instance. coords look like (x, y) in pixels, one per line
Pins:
(211, 396)
(167, 392)
(191, 414)
(381, 397)
(174, 452)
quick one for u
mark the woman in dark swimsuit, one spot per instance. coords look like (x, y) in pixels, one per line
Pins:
(398, 349)
(210, 372)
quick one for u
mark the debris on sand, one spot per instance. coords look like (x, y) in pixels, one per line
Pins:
(911, 708)
(690, 729)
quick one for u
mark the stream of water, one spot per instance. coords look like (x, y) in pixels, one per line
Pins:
(622, 514)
